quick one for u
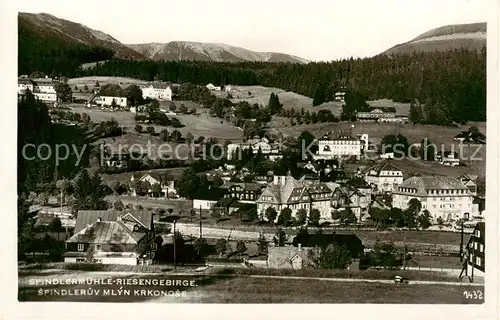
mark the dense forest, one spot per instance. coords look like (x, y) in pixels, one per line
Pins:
(454, 80)
(54, 56)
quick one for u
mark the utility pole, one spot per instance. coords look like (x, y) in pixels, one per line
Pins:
(175, 247)
(200, 223)
(404, 250)
(461, 241)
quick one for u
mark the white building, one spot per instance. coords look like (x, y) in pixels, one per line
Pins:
(269, 150)
(167, 187)
(442, 196)
(385, 177)
(330, 147)
(108, 101)
(161, 92)
(44, 85)
(448, 158)
(42, 88)
(24, 83)
(211, 87)
(339, 96)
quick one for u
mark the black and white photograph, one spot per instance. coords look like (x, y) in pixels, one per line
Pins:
(267, 152)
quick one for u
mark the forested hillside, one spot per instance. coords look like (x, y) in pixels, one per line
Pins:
(53, 55)
(455, 81)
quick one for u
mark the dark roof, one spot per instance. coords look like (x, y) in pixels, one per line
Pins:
(424, 183)
(351, 241)
(383, 109)
(383, 166)
(24, 80)
(88, 217)
(245, 185)
(106, 232)
(282, 256)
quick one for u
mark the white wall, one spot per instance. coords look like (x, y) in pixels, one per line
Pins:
(46, 88)
(21, 87)
(46, 96)
(204, 204)
(163, 94)
(439, 206)
(387, 181)
(339, 148)
(131, 261)
(107, 101)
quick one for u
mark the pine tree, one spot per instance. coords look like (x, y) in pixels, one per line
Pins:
(416, 115)
(319, 95)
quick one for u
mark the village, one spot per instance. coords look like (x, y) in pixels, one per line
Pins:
(263, 201)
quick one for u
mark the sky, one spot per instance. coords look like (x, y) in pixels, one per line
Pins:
(314, 29)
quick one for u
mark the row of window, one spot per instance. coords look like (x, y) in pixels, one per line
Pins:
(478, 260)
(247, 196)
(343, 142)
(98, 247)
(477, 246)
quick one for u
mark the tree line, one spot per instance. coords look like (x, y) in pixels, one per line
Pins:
(53, 56)
(454, 80)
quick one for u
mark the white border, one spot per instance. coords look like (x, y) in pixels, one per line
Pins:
(12, 309)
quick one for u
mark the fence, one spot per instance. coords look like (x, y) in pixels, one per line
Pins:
(430, 248)
(433, 269)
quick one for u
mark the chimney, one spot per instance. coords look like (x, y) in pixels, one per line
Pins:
(300, 246)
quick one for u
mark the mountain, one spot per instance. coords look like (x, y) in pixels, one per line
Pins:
(183, 50)
(470, 36)
(44, 25)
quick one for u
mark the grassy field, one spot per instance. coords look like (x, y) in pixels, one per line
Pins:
(176, 205)
(438, 135)
(199, 125)
(245, 290)
(242, 289)
(436, 262)
(292, 100)
(124, 177)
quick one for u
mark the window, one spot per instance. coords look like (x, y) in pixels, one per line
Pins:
(478, 233)
(478, 261)
(155, 246)
(481, 247)
(80, 247)
(98, 247)
(80, 260)
(475, 245)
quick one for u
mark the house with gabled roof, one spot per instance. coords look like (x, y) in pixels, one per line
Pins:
(287, 192)
(167, 186)
(111, 237)
(292, 257)
(245, 192)
(469, 180)
(383, 177)
(379, 114)
(474, 253)
(351, 198)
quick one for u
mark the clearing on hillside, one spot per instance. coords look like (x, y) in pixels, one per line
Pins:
(197, 124)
